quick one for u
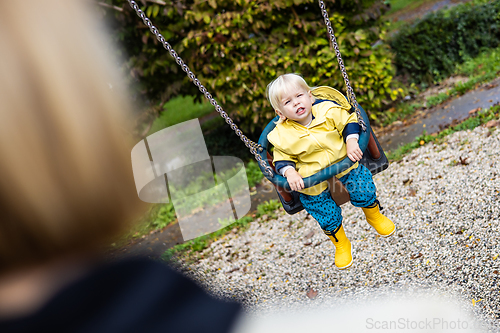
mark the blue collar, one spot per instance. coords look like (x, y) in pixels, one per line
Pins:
(324, 100)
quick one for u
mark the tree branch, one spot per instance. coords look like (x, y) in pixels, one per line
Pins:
(120, 9)
(160, 2)
(301, 24)
(143, 134)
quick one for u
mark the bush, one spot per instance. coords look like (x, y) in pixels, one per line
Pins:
(430, 49)
(236, 47)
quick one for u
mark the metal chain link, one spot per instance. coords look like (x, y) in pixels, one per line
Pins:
(350, 92)
(251, 145)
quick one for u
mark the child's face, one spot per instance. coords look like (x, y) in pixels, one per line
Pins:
(296, 105)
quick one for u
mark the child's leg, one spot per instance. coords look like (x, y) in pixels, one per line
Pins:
(329, 216)
(382, 224)
(362, 190)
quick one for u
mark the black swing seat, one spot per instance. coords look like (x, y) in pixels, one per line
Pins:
(373, 156)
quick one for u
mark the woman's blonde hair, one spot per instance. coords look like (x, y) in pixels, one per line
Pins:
(280, 86)
(66, 184)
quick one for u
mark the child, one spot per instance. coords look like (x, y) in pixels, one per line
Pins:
(310, 135)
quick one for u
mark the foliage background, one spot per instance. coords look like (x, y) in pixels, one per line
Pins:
(429, 50)
(236, 47)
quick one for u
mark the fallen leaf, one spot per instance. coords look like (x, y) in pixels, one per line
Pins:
(474, 110)
(474, 301)
(308, 243)
(412, 192)
(492, 123)
(464, 161)
(312, 293)
(415, 256)
(233, 270)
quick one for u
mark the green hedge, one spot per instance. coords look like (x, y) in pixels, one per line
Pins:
(429, 50)
(236, 47)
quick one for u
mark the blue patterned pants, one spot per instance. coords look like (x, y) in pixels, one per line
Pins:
(359, 184)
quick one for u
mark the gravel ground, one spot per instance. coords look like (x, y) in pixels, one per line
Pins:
(445, 202)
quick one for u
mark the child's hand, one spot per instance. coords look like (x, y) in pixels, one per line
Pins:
(353, 151)
(294, 179)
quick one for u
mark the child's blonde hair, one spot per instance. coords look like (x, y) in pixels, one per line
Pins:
(280, 86)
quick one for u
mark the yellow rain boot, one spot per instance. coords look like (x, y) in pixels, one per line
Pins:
(379, 222)
(343, 249)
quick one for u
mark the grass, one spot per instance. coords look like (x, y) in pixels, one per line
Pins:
(175, 111)
(192, 248)
(178, 110)
(479, 70)
(254, 175)
(268, 208)
(200, 243)
(470, 123)
(157, 217)
(404, 5)
(401, 7)
(483, 68)
(160, 216)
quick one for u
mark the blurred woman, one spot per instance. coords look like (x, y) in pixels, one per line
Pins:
(67, 190)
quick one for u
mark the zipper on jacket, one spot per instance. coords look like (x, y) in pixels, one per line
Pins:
(319, 144)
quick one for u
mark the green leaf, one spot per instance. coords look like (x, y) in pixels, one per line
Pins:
(251, 43)
(156, 10)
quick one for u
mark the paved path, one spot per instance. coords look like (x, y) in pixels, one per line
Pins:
(442, 116)
(156, 243)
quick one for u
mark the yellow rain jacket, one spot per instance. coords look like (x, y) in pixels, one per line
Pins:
(315, 147)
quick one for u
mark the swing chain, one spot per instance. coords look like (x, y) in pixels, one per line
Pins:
(350, 92)
(254, 147)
